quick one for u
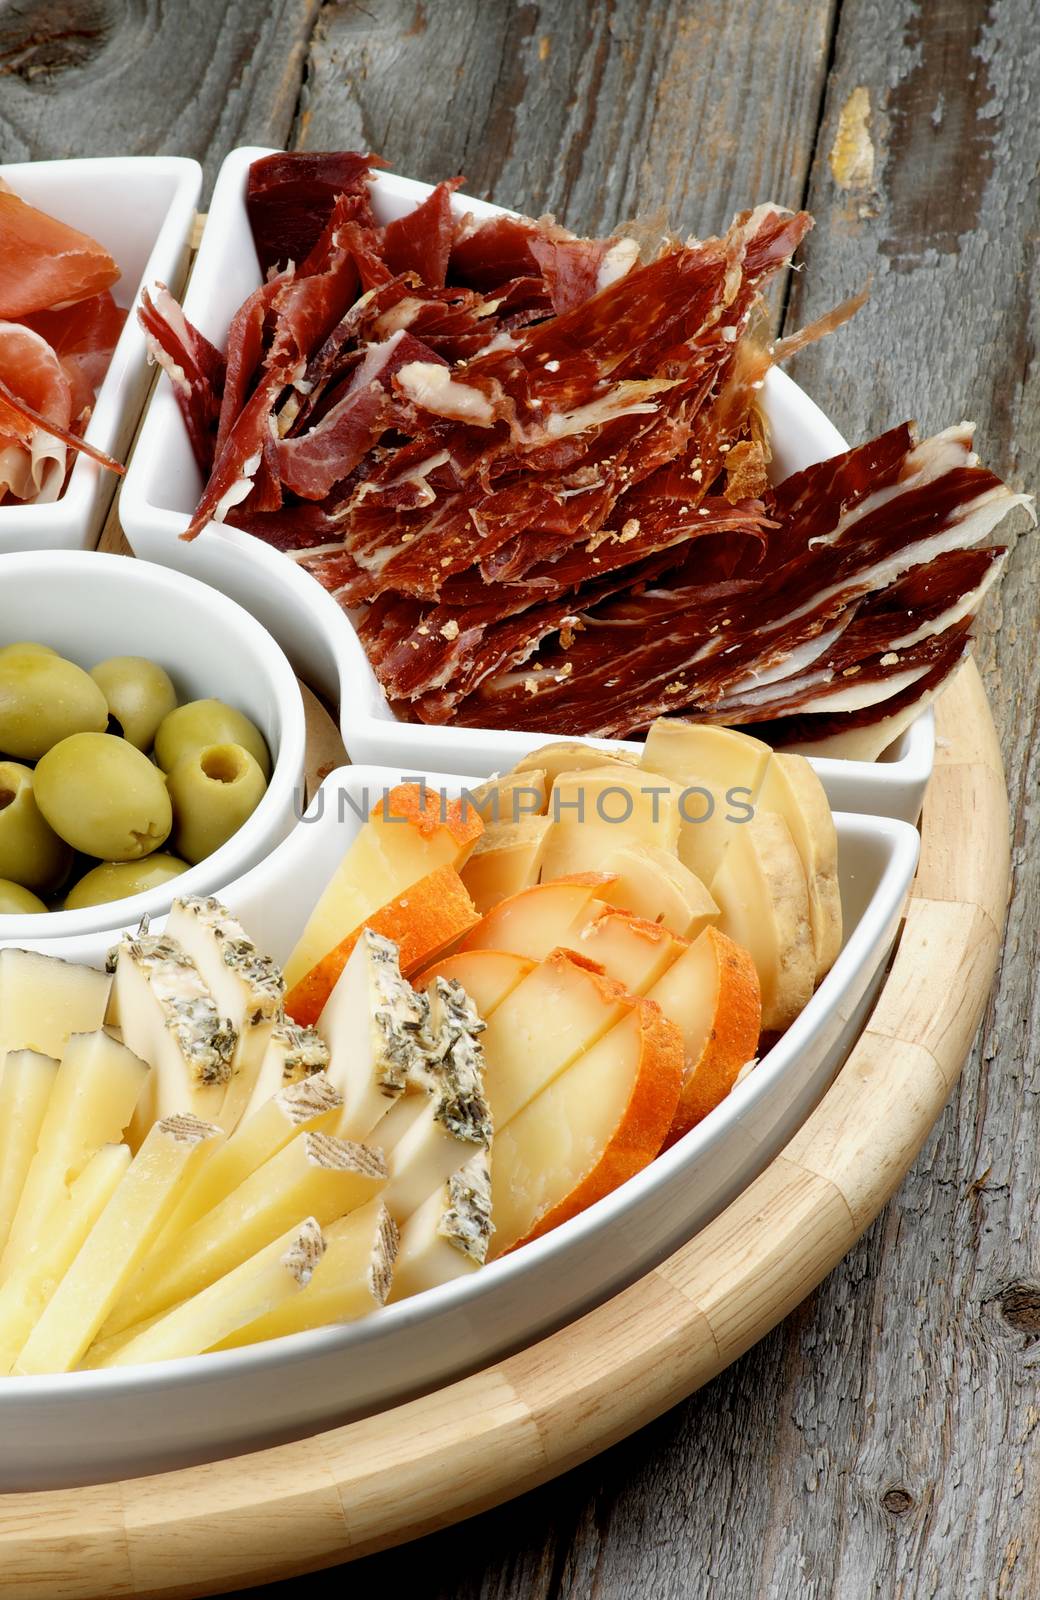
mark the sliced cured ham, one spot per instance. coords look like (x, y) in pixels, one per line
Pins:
(533, 468)
(45, 263)
(83, 338)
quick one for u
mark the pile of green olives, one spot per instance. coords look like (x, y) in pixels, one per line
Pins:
(108, 787)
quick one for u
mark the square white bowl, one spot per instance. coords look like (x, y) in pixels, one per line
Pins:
(163, 484)
(142, 209)
(85, 1427)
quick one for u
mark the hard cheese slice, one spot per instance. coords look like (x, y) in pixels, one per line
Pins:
(764, 899)
(539, 920)
(293, 1052)
(507, 858)
(598, 1123)
(116, 1244)
(629, 949)
(315, 1175)
(258, 1287)
(44, 1000)
(792, 789)
(486, 975)
(596, 810)
(92, 1101)
(352, 1278)
(406, 838)
(653, 883)
(25, 1088)
(447, 1237)
(726, 765)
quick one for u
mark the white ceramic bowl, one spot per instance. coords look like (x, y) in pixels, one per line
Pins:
(84, 1427)
(89, 606)
(163, 486)
(142, 209)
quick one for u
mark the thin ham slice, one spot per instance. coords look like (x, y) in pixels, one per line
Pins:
(44, 263)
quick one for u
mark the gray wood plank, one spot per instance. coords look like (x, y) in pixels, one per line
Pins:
(110, 77)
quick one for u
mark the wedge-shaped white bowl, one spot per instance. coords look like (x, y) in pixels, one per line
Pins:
(163, 485)
(85, 1427)
(142, 209)
(88, 606)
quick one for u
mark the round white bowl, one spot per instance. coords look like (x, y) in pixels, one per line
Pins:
(90, 606)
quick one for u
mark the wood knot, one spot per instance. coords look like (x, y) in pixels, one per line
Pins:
(897, 1501)
(1020, 1307)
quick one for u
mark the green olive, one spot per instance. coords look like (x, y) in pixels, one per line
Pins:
(26, 647)
(104, 797)
(44, 699)
(114, 880)
(213, 791)
(205, 722)
(139, 696)
(16, 901)
(31, 853)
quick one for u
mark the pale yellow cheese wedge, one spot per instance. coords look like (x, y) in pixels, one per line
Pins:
(726, 765)
(792, 789)
(116, 1244)
(352, 1278)
(405, 839)
(507, 858)
(314, 1175)
(569, 755)
(763, 896)
(257, 1287)
(371, 1022)
(653, 883)
(537, 921)
(486, 975)
(447, 1237)
(597, 809)
(28, 1289)
(92, 1101)
(510, 798)
(293, 1052)
(630, 950)
(247, 986)
(311, 1104)
(25, 1087)
(44, 1000)
(557, 1012)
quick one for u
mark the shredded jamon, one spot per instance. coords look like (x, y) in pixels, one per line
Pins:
(533, 469)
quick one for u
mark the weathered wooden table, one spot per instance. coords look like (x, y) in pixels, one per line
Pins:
(884, 1439)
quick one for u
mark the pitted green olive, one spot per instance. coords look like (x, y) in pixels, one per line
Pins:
(139, 695)
(44, 699)
(18, 902)
(104, 797)
(213, 791)
(207, 722)
(114, 880)
(31, 853)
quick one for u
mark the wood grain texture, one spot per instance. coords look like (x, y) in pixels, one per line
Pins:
(475, 1443)
(149, 77)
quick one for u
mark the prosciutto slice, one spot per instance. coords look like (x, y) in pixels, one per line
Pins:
(533, 468)
(44, 262)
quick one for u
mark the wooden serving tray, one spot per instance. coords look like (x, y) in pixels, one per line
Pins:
(378, 1482)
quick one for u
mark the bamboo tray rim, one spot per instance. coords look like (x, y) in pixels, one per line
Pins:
(422, 1465)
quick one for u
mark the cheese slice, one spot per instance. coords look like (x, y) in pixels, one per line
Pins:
(372, 1023)
(510, 798)
(655, 884)
(258, 1287)
(629, 949)
(311, 1105)
(506, 858)
(292, 1053)
(596, 810)
(116, 1244)
(92, 1101)
(408, 836)
(352, 1278)
(763, 896)
(25, 1294)
(314, 1175)
(25, 1088)
(453, 1121)
(486, 975)
(167, 1014)
(792, 789)
(44, 1000)
(246, 985)
(539, 920)
(568, 755)
(555, 1014)
(447, 1237)
(719, 771)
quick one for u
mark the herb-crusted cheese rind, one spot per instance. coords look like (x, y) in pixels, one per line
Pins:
(457, 1065)
(260, 975)
(384, 1254)
(205, 1040)
(399, 1015)
(466, 1219)
(304, 1051)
